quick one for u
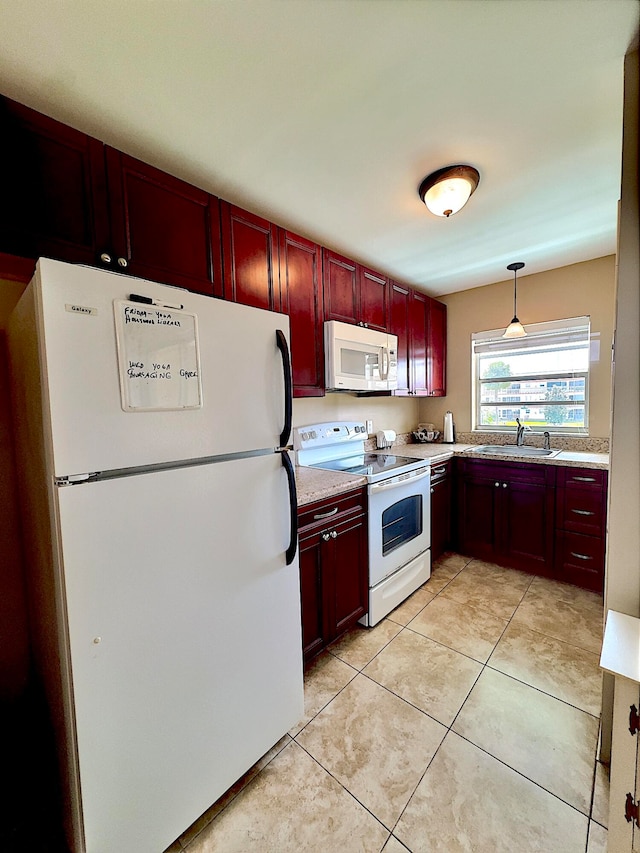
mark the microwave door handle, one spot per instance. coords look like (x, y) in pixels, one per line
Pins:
(384, 373)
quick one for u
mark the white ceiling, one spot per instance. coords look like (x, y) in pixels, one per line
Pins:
(325, 115)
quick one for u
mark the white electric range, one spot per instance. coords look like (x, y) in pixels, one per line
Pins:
(399, 494)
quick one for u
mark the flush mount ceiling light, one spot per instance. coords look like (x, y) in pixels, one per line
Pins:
(515, 328)
(448, 190)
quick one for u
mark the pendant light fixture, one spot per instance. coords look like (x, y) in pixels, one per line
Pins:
(448, 190)
(515, 328)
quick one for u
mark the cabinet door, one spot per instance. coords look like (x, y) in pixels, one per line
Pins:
(249, 255)
(399, 326)
(527, 529)
(300, 263)
(478, 501)
(162, 228)
(54, 197)
(349, 568)
(311, 596)
(436, 348)
(418, 342)
(340, 287)
(440, 516)
(373, 289)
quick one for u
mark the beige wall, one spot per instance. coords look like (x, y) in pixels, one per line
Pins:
(395, 413)
(572, 291)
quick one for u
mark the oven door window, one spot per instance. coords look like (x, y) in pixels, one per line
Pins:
(401, 523)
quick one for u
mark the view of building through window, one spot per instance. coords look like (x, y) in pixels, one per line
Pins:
(542, 379)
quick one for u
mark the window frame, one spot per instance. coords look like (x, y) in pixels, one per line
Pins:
(572, 328)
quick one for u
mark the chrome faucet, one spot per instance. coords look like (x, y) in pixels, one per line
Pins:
(547, 441)
(520, 434)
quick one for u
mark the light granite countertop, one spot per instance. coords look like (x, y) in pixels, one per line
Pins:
(314, 484)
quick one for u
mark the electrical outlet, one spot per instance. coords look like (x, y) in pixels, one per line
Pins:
(369, 427)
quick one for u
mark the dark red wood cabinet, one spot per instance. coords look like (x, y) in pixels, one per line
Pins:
(441, 500)
(333, 568)
(581, 508)
(340, 285)
(353, 293)
(409, 322)
(436, 348)
(399, 326)
(161, 227)
(249, 255)
(54, 195)
(506, 513)
(300, 271)
(373, 292)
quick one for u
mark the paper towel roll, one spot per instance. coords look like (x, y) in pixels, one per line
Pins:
(447, 431)
(385, 438)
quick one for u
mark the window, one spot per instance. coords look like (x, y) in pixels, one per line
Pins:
(542, 379)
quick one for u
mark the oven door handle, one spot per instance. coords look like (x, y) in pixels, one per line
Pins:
(382, 487)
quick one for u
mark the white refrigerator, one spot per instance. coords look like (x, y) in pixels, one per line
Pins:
(159, 517)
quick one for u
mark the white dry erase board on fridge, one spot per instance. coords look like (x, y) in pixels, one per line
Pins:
(158, 357)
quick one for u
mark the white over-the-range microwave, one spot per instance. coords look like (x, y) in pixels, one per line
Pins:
(359, 359)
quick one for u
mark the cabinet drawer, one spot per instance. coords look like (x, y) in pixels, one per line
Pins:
(580, 559)
(440, 471)
(327, 512)
(589, 478)
(582, 510)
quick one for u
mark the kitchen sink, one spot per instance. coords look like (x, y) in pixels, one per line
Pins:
(513, 450)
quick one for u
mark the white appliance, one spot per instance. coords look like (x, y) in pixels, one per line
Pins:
(399, 497)
(359, 359)
(160, 516)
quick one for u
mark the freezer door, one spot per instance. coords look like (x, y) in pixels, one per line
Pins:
(242, 373)
(184, 640)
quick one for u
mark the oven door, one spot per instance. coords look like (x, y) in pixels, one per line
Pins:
(399, 522)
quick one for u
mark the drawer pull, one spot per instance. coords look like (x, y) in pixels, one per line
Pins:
(582, 512)
(580, 556)
(585, 479)
(325, 514)
(442, 470)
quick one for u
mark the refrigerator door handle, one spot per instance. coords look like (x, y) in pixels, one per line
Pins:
(281, 341)
(293, 506)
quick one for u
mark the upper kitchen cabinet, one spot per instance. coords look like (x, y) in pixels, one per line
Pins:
(399, 326)
(353, 293)
(340, 285)
(162, 228)
(249, 252)
(54, 197)
(408, 322)
(436, 348)
(300, 264)
(373, 294)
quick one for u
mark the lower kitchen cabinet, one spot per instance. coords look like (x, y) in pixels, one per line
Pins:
(506, 513)
(581, 507)
(441, 497)
(333, 568)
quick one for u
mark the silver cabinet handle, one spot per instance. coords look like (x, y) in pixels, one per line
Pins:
(105, 257)
(123, 262)
(580, 556)
(497, 485)
(334, 534)
(432, 491)
(325, 514)
(440, 470)
(582, 512)
(326, 536)
(585, 479)
(504, 485)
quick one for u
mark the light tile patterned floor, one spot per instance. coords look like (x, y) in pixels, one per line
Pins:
(466, 720)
